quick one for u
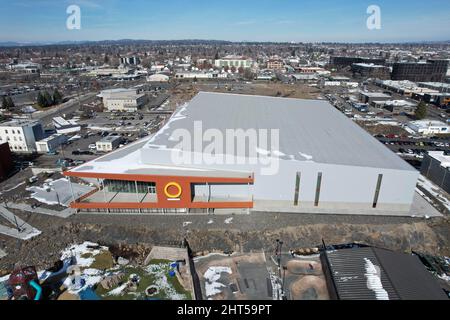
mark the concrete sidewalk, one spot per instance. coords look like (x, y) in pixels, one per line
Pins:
(26, 231)
(25, 207)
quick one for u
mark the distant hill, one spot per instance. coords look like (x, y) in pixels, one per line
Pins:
(178, 42)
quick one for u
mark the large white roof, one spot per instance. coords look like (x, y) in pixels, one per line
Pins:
(309, 131)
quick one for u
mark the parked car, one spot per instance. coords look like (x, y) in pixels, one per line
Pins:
(33, 179)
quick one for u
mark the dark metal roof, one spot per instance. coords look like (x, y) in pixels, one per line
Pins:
(402, 276)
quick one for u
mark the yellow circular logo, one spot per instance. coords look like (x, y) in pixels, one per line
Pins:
(170, 193)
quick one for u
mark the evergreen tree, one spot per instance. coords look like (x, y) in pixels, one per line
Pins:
(57, 97)
(4, 103)
(48, 98)
(421, 111)
(10, 103)
(41, 101)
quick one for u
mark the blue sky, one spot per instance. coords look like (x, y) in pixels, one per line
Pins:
(236, 20)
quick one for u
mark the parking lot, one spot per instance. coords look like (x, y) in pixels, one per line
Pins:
(415, 147)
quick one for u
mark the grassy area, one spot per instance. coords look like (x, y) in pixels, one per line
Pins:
(103, 261)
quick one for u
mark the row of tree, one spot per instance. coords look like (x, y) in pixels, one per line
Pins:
(45, 99)
(7, 103)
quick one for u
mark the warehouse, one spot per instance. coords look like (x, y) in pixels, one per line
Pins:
(317, 160)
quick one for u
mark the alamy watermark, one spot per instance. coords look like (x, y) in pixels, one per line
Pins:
(374, 20)
(255, 147)
(73, 21)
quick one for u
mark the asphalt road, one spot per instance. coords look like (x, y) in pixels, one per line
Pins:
(46, 116)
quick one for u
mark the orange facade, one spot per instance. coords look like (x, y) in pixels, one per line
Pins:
(173, 192)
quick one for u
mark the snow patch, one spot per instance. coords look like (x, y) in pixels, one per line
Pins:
(228, 221)
(212, 276)
(373, 275)
(306, 156)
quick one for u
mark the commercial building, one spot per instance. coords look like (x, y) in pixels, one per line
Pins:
(396, 106)
(429, 127)
(369, 273)
(429, 71)
(130, 60)
(307, 157)
(312, 70)
(342, 62)
(108, 72)
(199, 75)
(234, 61)
(367, 70)
(50, 144)
(129, 100)
(21, 135)
(369, 97)
(108, 143)
(438, 99)
(405, 87)
(436, 167)
(439, 86)
(64, 126)
(29, 67)
(6, 161)
(305, 77)
(275, 64)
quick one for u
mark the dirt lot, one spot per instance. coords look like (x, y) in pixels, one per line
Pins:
(382, 129)
(187, 90)
(274, 89)
(245, 233)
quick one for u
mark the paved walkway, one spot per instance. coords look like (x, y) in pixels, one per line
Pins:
(25, 207)
(26, 231)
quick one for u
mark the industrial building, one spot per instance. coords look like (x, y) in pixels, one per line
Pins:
(21, 135)
(129, 100)
(429, 71)
(404, 87)
(429, 127)
(397, 106)
(436, 167)
(50, 144)
(108, 143)
(369, 97)
(64, 126)
(321, 162)
(370, 273)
